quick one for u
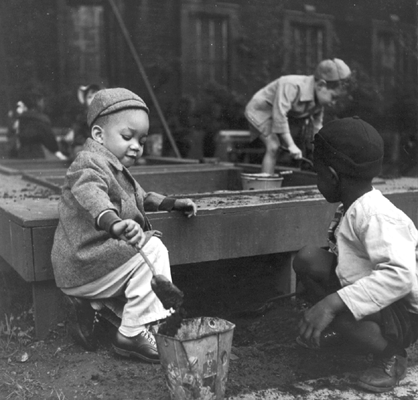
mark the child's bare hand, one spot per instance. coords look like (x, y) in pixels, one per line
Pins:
(130, 231)
(295, 152)
(187, 206)
(318, 317)
(313, 322)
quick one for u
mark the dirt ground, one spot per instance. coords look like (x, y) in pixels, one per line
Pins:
(264, 353)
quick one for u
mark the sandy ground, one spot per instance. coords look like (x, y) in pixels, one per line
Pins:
(264, 357)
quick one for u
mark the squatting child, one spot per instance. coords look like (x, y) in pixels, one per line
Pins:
(289, 111)
(101, 218)
(365, 287)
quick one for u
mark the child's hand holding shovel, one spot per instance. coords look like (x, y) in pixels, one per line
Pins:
(130, 231)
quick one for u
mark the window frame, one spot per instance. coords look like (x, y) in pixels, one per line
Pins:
(309, 19)
(386, 27)
(189, 11)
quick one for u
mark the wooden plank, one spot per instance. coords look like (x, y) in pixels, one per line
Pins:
(8, 171)
(185, 182)
(43, 239)
(5, 238)
(21, 251)
(47, 305)
(173, 179)
(216, 233)
(407, 202)
(50, 172)
(20, 164)
(30, 212)
(151, 160)
(246, 231)
(52, 182)
(44, 172)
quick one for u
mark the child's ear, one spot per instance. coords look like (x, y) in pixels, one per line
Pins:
(97, 134)
(335, 178)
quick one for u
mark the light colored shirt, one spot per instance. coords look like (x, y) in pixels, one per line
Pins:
(288, 96)
(377, 256)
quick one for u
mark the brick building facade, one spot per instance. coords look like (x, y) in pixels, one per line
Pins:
(185, 44)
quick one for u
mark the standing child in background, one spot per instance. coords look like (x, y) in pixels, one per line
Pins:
(34, 130)
(365, 288)
(101, 220)
(289, 111)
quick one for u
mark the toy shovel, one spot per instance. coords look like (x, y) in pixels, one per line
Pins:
(169, 294)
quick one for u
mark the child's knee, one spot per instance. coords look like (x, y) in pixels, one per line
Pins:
(314, 261)
(304, 259)
(272, 143)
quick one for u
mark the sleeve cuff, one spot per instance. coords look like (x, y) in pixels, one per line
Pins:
(167, 204)
(281, 129)
(107, 219)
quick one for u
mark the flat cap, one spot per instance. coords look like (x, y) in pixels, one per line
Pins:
(332, 70)
(109, 101)
(351, 146)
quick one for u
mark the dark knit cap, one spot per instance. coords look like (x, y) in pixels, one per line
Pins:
(109, 101)
(351, 146)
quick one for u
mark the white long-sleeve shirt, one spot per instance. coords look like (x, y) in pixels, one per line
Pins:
(377, 256)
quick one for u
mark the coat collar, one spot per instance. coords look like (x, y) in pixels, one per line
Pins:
(94, 147)
(307, 89)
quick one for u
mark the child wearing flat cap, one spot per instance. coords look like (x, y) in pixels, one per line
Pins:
(102, 223)
(365, 286)
(289, 111)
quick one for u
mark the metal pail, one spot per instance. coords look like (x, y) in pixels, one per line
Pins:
(261, 181)
(195, 361)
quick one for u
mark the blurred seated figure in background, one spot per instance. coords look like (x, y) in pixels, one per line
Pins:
(78, 134)
(33, 129)
(13, 128)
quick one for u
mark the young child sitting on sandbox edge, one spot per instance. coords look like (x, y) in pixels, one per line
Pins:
(101, 218)
(364, 288)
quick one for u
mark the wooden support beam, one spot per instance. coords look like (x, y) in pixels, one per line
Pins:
(47, 306)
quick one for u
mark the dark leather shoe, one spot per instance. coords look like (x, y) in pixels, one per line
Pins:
(81, 322)
(329, 338)
(142, 346)
(384, 375)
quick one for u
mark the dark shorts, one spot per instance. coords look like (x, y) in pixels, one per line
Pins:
(399, 326)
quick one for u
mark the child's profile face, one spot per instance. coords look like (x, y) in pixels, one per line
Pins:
(125, 135)
(327, 182)
(327, 96)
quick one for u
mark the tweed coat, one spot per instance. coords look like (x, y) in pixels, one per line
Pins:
(96, 181)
